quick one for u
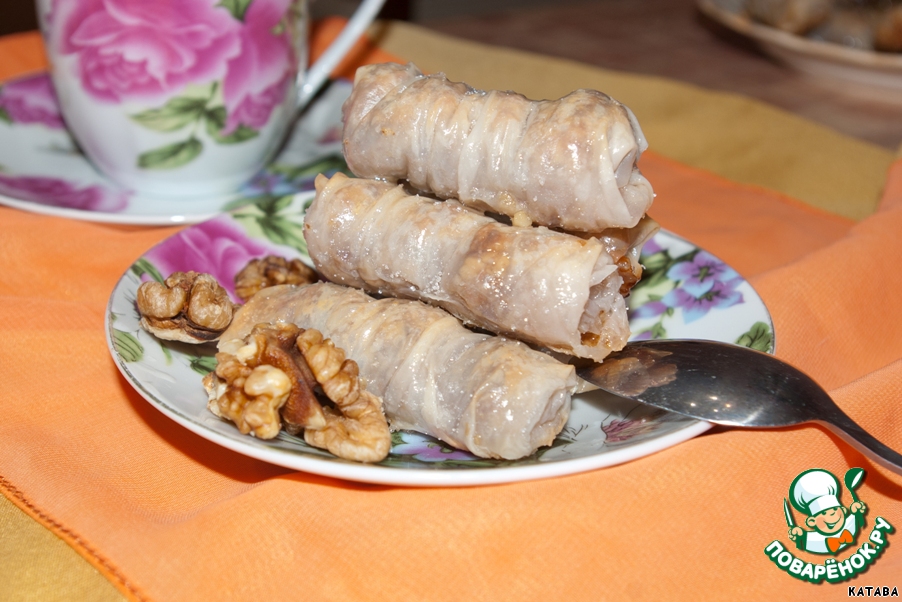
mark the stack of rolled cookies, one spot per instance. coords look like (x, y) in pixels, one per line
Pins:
(521, 218)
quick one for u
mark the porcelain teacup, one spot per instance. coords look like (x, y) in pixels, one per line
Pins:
(184, 98)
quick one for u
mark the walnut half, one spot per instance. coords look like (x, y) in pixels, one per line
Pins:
(360, 431)
(259, 406)
(268, 380)
(249, 397)
(188, 307)
(270, 271)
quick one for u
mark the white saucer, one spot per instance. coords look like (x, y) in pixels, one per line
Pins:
(42, 170)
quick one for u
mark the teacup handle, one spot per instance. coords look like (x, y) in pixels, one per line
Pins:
(318, 73)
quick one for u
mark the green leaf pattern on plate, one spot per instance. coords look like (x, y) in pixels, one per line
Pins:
(142, 266)
(128, 346)
(203, 364)
(759, 337)
(276, 221)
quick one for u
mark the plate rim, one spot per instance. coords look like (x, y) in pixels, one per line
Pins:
(105, 217)
(376, 474)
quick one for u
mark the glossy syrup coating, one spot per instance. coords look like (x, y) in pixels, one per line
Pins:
(568, 163)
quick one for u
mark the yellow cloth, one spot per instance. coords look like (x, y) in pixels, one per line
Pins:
(160, 514)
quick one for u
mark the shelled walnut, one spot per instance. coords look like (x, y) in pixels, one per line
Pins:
(261, 381)
(188, 306)
(270, 271)
(360, 432)
(267, 381)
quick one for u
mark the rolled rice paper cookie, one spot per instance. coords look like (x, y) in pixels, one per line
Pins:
(568, 163)
(493, 396)
(549, 288)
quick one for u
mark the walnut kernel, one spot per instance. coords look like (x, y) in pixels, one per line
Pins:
(271, 271)
(188, 306)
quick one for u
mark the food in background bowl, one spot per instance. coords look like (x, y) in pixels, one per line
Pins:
(794, 16)
(860, 24)
(888, 32)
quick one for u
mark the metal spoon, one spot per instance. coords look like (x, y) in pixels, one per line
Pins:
(730, 385)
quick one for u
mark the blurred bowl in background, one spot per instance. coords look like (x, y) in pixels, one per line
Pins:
(840, 49)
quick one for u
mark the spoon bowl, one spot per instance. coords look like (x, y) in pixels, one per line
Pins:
(729, 385)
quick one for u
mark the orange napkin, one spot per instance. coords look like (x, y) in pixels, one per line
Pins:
(166, 515)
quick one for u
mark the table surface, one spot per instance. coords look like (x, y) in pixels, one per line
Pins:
(671, 38)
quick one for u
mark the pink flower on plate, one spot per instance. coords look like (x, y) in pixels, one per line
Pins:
(427, 449)
(621, 431)
(218, 247)
(257, 78)
(141, 49)
(62, 193)
(31, 100)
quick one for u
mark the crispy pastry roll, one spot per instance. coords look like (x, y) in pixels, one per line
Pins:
(493, 396)
(567, 163)
(538, 285)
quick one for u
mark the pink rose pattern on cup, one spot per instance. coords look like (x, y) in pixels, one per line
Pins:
(219, 64)
(30, 100)
(256, 79)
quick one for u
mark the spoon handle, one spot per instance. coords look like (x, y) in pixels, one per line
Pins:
(848, 429)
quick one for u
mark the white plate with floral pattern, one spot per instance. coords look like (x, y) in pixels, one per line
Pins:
(686, 293)
(43, 171)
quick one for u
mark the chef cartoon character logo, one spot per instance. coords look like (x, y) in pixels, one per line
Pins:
(831, 526)
(831, 529)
